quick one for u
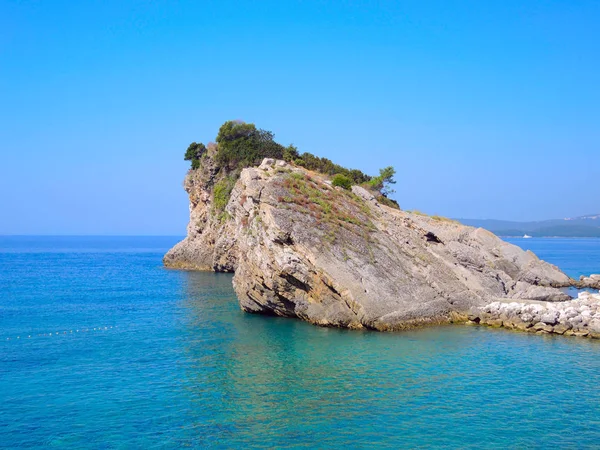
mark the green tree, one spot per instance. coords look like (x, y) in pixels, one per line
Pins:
(193, 153)
(243, 145)
(384, 180)
(342, 181)
(290, 153)
(240, 145)
(326, 166)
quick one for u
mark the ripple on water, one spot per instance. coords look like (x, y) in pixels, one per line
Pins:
(185, 367)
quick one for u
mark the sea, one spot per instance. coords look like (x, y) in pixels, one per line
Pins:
(101, 347)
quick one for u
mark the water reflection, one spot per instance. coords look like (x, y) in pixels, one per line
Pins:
(268, 381)
(274, 381)
(185, 367)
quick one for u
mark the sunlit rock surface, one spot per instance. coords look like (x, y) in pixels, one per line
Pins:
(302, 248)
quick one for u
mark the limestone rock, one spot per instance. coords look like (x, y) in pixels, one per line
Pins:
(576, 317)
(540, 326)
(561, 328)
(302, 248)
(550, 318)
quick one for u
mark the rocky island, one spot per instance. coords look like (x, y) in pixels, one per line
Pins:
(312, 240)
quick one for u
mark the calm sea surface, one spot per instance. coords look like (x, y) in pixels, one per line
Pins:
(101, 347)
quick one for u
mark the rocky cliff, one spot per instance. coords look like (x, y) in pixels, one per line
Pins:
(302, 248)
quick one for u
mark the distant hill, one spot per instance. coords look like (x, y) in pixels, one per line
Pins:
(583, 226)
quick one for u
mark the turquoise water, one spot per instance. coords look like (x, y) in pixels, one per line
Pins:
(126, 354)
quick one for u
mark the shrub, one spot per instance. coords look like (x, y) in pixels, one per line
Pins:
(290, 153)
(222, 191)
(342, 181)
(326, 166)
(388, 202)
(443, 219)
(240, 145)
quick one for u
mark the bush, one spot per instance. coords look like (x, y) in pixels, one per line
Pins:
(240, 145)
(222, 192)
(290, 153)
(326, 166)
(342, 181)
(388, 202)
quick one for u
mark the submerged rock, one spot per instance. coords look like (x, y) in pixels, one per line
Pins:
(302, 248)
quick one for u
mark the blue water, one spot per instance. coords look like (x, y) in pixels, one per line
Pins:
(126, 354)
(575, 256)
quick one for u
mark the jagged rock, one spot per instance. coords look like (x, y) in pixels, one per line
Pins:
(592, 281)
(550, 318)
(594, 326)
(580, 333)
(496, 323)
(302, 248)
(540, 326)
(578, 317)
(526, 317)
(364, 194)
(515, 324)
(561, 328)
(577, 320)
(527, 291)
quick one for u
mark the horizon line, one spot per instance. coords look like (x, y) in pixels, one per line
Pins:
(93, 235)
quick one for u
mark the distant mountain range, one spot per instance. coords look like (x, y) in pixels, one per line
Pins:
(584, 226)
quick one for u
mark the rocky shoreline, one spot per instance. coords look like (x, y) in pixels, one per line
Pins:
(302, 248)
(577, 317)
(591, 282)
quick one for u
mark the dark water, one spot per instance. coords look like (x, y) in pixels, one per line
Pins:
(126, 354)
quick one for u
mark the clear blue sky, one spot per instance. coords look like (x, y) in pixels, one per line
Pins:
(488, 109)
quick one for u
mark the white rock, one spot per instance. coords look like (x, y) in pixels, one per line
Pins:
(267, 163)
(526, 317)
(594, 326)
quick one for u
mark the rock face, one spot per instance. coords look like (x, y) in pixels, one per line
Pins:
(302, 248)
(578, 317)
(210, 241)
(591, 282)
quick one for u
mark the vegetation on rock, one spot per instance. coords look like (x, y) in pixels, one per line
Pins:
(303, 248)
(327, 206)
(342, 181)
(222, 191)
(383, 181)
(325, 166)
(388, 201)
(193, 153)
(241, 145)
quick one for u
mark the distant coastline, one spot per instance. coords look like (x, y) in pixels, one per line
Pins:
(504, 236)
(578, 227)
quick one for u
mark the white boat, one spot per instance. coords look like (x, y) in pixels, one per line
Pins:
(527, 236)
